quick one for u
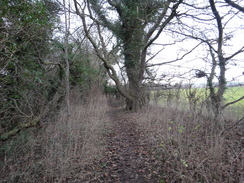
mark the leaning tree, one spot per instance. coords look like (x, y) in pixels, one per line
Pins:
(135, 25)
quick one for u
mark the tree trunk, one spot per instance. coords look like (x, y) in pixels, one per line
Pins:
(222, 61)
(133, 46)
(212, 92)
(134, 90)
(66, 37)
(222, 84)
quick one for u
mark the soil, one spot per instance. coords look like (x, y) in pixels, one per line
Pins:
(129, 158)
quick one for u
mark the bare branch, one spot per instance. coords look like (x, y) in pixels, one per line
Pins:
(233, 4)
(110, 70)
(233, 102)
(172, 61)
(154, 55)
(236, 123)
(220, 28)
(157, 22)
(163, 25)
(206, 41)
(236, 53)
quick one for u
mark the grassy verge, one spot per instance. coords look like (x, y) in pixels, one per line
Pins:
(189, 148)
(231, 94)
(63, 150)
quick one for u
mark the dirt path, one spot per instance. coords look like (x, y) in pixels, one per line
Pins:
(129, 159)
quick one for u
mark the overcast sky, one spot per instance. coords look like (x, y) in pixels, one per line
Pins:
(197, 59)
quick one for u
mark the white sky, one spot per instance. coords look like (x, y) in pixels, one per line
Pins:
(195, 59)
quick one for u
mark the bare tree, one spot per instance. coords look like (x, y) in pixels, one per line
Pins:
(212, 29)
(222, 60)
(135, 25)
(66, 56)
(218, 98)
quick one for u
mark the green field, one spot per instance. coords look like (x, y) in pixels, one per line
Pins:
(231, 94)
(234, 93)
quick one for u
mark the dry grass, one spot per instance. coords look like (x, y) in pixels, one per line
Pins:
(63, 150)
(189, 147)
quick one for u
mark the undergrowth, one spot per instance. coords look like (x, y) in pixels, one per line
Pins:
(187, 145)
(63, 149)
(190, 147)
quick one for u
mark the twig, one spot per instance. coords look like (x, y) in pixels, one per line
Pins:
(236, 123)
(233, 102)
(199, 166)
